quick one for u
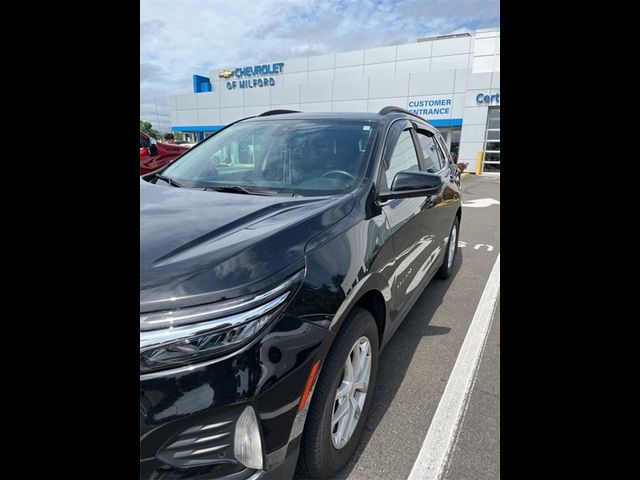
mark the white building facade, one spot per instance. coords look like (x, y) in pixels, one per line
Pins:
(451, 81)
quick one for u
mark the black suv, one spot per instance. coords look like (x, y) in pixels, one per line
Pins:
(277, 258)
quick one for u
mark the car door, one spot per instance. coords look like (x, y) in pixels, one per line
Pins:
(451, 189)
(411, 220)
(435, 162)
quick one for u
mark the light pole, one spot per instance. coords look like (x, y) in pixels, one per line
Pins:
(157, 114)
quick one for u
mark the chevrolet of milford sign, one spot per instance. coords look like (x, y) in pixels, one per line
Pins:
(252, 77)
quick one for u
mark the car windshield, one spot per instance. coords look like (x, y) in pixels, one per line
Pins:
(306, 157)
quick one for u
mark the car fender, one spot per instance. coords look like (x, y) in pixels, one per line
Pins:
(341, 267)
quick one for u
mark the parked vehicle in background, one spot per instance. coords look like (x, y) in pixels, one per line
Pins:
(186, 144)
(277, 259)
(155, 155)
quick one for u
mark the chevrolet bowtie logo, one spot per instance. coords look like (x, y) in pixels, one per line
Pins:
(225, 73)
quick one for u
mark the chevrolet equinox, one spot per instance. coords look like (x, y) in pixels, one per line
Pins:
(277, 258)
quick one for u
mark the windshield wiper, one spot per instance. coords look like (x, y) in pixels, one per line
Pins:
(170, 181)
(239, 189)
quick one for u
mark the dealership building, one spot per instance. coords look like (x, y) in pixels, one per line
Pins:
(452, 81)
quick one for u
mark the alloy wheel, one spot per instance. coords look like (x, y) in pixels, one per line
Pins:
(351, 393)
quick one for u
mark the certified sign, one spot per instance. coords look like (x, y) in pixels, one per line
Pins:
(488, 99)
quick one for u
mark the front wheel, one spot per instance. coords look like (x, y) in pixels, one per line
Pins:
(452, 248)
(342, 397)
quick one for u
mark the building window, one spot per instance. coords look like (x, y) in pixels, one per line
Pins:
(492, 142)
(451, 138)
(454, 146)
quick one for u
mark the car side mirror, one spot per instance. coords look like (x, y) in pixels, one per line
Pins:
(153, 147)
(413, 183)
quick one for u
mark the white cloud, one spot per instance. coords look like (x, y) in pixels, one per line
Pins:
(179, 39)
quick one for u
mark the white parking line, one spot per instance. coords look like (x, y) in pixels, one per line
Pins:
(437, 444)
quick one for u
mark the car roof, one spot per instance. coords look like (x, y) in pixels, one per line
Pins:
(386, 114)
(319, 116)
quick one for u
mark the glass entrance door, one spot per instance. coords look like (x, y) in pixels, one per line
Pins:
(491, 162)
(452, 139)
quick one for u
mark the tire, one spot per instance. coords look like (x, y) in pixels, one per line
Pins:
(319, 457)
(447, 266)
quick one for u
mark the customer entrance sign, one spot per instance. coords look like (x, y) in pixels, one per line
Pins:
(431, 108)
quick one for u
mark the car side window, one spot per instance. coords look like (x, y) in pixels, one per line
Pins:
(444, 152)
(404, 157)
(433, 160)
(144, 143)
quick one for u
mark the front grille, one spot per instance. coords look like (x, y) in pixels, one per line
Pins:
(200, 445)
(204, 472)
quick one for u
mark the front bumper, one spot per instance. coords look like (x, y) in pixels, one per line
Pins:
(187, 419)
(284, 470)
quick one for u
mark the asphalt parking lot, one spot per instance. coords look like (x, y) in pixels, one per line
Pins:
(417, 363)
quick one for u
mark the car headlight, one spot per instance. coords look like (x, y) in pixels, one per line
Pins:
(193, 334)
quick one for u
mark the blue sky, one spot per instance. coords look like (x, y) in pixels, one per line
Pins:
(180, 38)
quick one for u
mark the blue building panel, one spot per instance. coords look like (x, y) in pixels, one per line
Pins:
(196, 128)
(201, 84)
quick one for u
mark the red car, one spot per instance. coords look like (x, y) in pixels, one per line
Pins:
(154, 155)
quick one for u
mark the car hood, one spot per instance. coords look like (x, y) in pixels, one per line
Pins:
(198, 246)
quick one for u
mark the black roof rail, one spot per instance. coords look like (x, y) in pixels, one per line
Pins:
(387, 110)
(277, 112)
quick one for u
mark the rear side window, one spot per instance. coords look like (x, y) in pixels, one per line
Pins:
(444, 151)
(433, 161)
(404, 157)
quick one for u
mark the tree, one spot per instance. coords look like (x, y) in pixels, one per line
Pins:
(147, 128)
